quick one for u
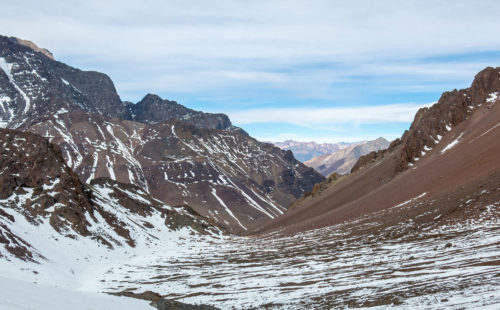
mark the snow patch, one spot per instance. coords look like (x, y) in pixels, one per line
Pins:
(410, 200)
(492, 97)
(452, 143)
(109, 165)
(214, 192)
(7, 68)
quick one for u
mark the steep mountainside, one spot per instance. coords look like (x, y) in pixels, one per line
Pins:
(38, 189)
(180, 156)
(343, 160)
(305, 151)
(57, 233)
(449, 153)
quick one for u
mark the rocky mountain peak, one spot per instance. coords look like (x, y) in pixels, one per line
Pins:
(153, 109)
(305, 151)
(485, 83)
(13, 41)
(34, 47)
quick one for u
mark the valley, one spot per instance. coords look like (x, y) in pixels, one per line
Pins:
(110, 204)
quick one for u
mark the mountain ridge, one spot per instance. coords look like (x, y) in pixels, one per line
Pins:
(179, 155)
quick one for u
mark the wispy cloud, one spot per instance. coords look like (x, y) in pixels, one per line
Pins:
(287, 54)
(296, 47)
(328, 117)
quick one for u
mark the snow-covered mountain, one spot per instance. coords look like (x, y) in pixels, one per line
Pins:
(178, 155)
(343, 160)
(38, 189)
(55, 230)
(305, 151)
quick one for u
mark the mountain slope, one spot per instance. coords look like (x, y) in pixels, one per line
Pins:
(180, 156)
(450, 146)
(59, 233)
(38, 188)
(343, 160)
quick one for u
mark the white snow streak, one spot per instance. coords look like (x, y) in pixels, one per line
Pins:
(109, 165)
(452, 143)
(214, 192)
(6, 67)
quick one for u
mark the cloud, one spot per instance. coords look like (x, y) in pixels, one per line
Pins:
(319, 118)
(269, 51)
(277, 30)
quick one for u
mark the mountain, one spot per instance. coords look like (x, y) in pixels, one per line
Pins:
(178, 155)
(423, 211)
(343, 160)
(447, 157)
(38, 189)
(305, 151)
(54, 229)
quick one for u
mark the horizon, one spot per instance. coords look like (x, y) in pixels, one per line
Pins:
(325, 72)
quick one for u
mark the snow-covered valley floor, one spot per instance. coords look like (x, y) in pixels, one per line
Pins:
(359, 264)
(452, 266)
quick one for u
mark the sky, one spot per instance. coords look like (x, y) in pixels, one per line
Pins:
(324, 71)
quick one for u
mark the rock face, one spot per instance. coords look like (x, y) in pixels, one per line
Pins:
(180, 156)
(305, 151)
(343, 160)
(35, 178)
(37, 186)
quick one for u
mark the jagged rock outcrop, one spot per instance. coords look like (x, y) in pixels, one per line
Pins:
(35, 179)
(34, 47)
(430, 124)
(180, 156)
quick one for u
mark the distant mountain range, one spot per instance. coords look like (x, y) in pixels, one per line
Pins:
(343, 160)
(305, 151)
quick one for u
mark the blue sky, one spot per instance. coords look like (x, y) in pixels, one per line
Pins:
(306, 70)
